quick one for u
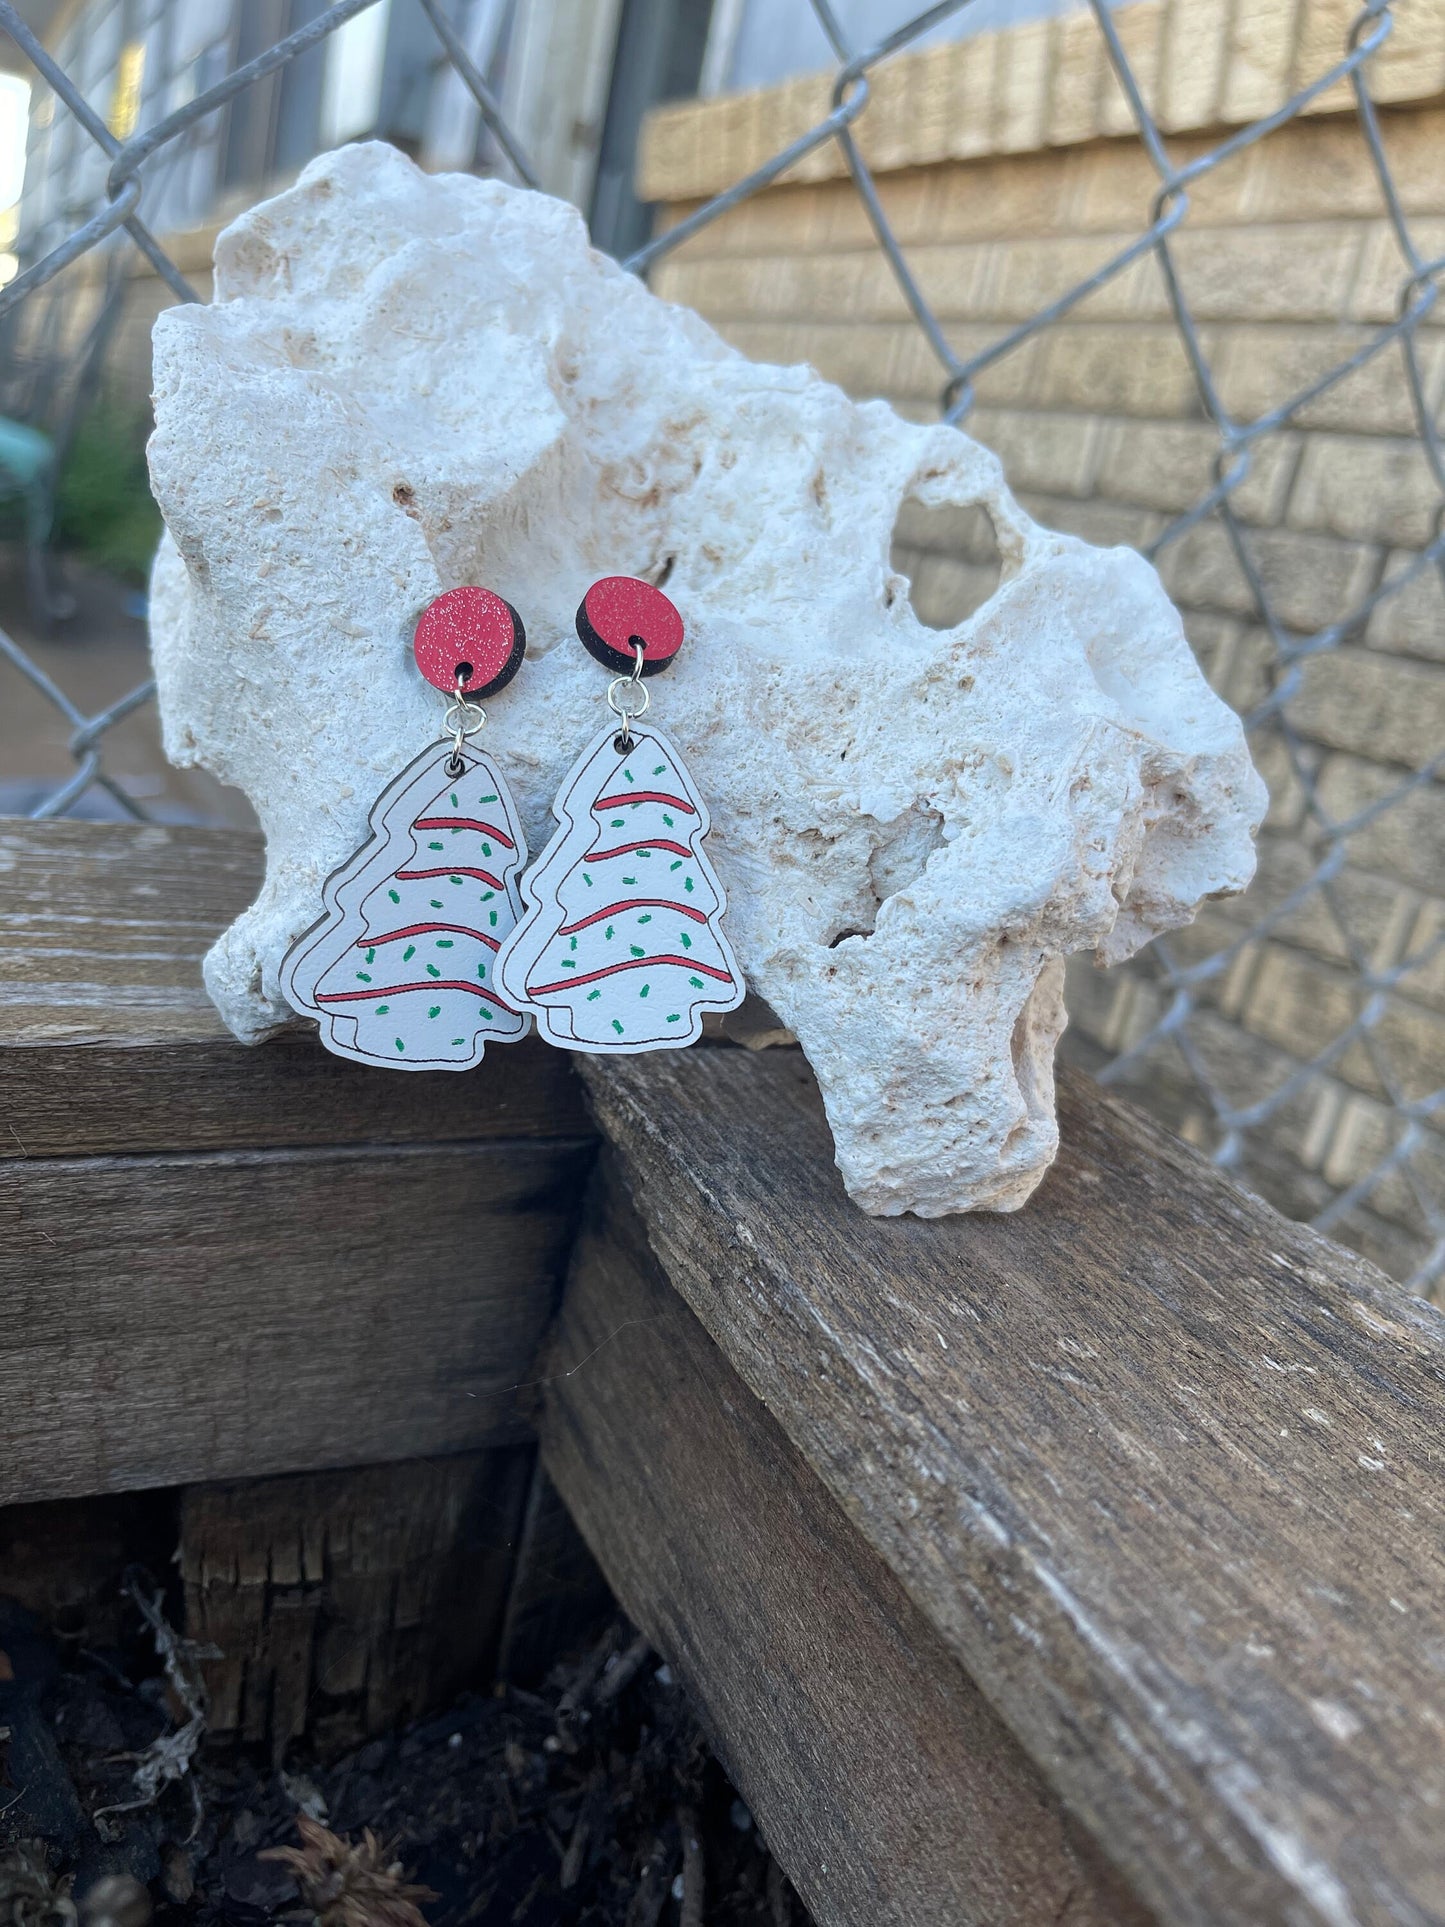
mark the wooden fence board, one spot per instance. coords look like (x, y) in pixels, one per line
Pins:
(1162, 1470)
(168, 1319)
(884, 1782)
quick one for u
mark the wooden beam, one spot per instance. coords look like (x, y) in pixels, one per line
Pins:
(343, 1604)
(109, 1043)
(219, 1262)
(882, 1779)
(1161, 1471)
(251, 1312)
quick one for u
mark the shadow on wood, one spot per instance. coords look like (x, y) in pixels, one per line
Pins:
(1159, 1469)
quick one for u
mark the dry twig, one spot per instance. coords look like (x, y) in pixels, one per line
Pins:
(694, 1869)
(167, 1759)
(347, 1885)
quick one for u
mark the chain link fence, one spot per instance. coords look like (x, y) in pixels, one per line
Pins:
(1410, 1161)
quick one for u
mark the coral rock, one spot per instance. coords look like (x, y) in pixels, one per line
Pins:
(406, 383)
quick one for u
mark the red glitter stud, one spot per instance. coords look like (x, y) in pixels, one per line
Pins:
(471, 635)
(619, 612)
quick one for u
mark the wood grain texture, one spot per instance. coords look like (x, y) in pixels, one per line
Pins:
(108, 1042)
(105, 926)
(346, 1603)
(883, 1781)
(169, 1319)
(1162, 1470)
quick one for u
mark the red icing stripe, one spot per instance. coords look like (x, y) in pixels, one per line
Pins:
(463, 823)
(449, 870)
(631, 963)
(647, 843)
(422, 930)
(644, 796)
(633, 903)
(400, 990)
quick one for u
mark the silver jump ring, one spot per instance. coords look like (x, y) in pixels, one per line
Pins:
(617, 688)
(462, 719)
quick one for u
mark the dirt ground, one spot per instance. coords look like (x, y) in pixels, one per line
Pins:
(594, 1801)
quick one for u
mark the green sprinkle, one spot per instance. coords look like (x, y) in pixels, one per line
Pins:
(629, 879)
(394, 897)
(432, 971)
(696, 982)
(587, 879)
(481, 970)
(446, 943)
(644, 990)
(660, 769)
(433, 846)
(686, 940)
(490, 799)
(617, 822)
(486, 849)
(436, 903)
(675, 1018)
(687, 883)
(572, 941)
(630, 777)
(400, 1045)
(567, 963)
(678, 865)
(362, 978)
(486, 1012)
(435, 1011)
(667, 819)
(382, 1009)
(616, 1025)
(608, 932)
(459, 1040)
(371, 956)
(455, 804)
(488, 896)
(593, 995)
(408, 953)
(646, 853)
(491, 916)
(637, 950)
(647, 918)
(453, 879)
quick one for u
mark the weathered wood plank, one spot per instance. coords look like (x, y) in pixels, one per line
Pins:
(345, 1603)
(883, 1781)
(170, 1319)
(105, 925)
(1162, 1470)
(108, 1042)
(89, 1099)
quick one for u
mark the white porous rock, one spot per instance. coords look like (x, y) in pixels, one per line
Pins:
(408, 382)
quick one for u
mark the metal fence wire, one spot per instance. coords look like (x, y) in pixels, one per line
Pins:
(1410, 1159)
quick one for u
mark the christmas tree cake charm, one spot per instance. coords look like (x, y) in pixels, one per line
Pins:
(621, 946)
(401, 969)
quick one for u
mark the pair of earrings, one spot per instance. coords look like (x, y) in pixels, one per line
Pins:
(436, 939)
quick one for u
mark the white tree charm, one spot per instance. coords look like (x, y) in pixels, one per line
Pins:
(621, 946)
(401, 970)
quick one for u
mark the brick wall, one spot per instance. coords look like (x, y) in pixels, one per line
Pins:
(1000, 178)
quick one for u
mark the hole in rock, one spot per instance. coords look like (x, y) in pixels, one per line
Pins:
(950, 557)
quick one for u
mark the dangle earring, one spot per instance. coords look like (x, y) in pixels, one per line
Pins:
(621, 945)
(401, 968)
